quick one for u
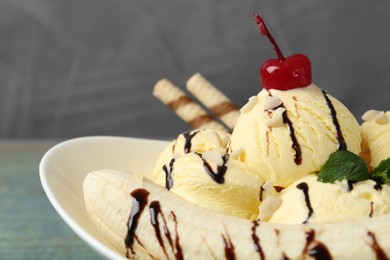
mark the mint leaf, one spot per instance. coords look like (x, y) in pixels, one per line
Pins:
(381, 173)
(343, 165)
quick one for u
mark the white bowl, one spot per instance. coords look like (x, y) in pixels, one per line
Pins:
(64, 167)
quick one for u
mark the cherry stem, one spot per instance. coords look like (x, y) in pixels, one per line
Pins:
(264, 31)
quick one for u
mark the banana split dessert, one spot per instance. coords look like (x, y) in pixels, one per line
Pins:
(290, 175)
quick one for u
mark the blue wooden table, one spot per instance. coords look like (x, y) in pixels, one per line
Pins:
(30, 228)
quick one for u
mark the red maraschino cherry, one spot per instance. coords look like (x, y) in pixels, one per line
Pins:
(283, 73)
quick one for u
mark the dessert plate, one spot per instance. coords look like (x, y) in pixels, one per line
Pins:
(64, 167)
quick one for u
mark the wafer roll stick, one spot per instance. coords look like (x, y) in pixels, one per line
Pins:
(214, 100)
(184, 106)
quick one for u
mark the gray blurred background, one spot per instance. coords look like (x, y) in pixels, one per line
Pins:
(72, 68)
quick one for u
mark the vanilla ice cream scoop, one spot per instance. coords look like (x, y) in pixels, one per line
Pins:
(196, 167)
(310, 201)
(375, 133)
(199, 140)
(287, 134)
(213, 181)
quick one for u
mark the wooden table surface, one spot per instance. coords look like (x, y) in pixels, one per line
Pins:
(30, 228)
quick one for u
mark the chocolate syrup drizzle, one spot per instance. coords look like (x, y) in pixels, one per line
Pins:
(219, 175)
(380, 254)
(371, 209)
(155, 210)
(256, 240)
(229, 247)
(305, 189)
(168, 174)
(188, 137)
(319, 251)
(340, 137)
(350, 184)
(284, 256)
(140, 199)
(178, 250)
(261, 193)
(310, 235)
(378, 186)
(295, 144)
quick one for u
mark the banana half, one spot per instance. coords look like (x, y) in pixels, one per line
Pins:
(142, 220)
